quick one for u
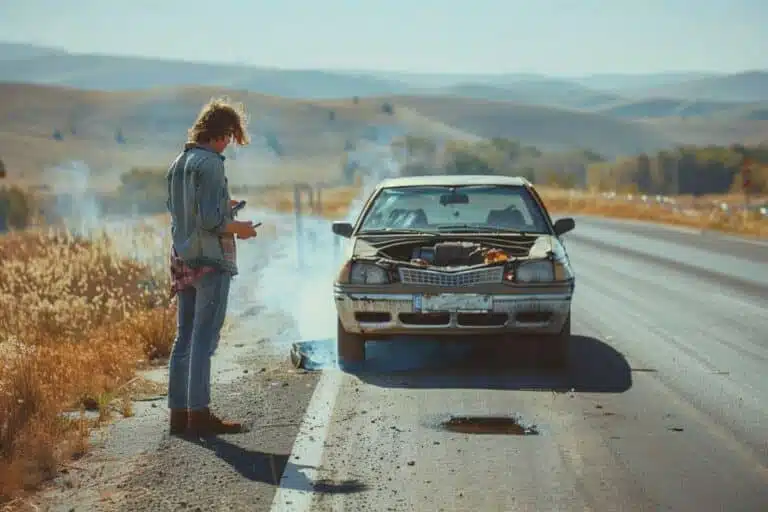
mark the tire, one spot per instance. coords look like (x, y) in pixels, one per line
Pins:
(350, 347)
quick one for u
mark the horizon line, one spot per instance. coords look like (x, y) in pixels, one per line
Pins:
(364, 71)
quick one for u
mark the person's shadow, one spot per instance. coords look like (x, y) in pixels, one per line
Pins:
(258, 466)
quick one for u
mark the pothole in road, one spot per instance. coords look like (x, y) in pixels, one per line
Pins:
(504, 425)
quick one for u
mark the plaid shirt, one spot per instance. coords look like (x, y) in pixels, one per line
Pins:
(183, 276)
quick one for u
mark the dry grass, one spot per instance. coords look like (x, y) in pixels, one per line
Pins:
(336, 201)
(751, 224)
(75, 321)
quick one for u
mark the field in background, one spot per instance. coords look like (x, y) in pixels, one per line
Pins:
(43, 127)
(699, 213)
(76, 321)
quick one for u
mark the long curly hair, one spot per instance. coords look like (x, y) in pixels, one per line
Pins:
(219, 118)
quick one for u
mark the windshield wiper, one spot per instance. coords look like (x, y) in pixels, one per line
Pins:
(395, 231)
(483, 229)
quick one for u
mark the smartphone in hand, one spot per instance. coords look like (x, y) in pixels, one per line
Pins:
(239, 206)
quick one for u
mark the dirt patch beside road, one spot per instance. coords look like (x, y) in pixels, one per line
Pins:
(140, 467)
(236, 472)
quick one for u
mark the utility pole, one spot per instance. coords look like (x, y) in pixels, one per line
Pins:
(746, 180)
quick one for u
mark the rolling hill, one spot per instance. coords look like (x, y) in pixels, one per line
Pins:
(116, 112)
(545, 92)
(43, 126)
(21, 51)
(598, 93)
(98, 72)
(667, 107)
(749, 86)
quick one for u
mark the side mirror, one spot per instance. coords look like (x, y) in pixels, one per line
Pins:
(342, 229)
(562, 226)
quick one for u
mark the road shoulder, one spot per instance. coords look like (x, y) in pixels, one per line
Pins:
(134, 464)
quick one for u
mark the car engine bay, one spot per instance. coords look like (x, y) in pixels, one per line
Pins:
(456, 254)
(452, 254)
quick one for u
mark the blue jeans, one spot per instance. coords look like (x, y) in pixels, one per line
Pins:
(201, 312)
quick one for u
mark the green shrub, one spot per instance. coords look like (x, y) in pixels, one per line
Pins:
(16, 208)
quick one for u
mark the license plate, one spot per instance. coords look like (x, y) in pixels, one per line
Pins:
(453, 302)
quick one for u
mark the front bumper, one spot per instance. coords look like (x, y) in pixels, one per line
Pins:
(398, 314)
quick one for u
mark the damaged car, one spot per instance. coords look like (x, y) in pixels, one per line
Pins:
(454, 255)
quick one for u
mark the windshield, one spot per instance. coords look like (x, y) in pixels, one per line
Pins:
(452, 208)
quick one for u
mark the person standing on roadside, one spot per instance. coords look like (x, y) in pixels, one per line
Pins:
(203, 262)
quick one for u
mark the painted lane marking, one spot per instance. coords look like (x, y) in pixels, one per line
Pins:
(296, 491)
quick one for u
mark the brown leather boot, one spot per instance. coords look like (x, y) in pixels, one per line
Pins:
(179, 420)
(204, 423)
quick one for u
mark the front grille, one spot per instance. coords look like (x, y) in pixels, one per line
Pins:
(425, 318)
(451, 279)
(482, 319)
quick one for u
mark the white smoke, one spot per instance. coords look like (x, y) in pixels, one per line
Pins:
(74, 199)
(291, 276)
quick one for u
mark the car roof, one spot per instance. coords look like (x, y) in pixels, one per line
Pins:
(459, 179)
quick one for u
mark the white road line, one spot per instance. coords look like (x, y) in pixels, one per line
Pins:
(301, 471)
(750, 241)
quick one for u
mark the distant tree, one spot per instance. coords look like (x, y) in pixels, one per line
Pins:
(416, 169)
(693, 170)
(2, 169)
(332, 115)
(464, 158)
(349, 145)
(528, 173)
(592, 156)
(356, 100)
(560, 179)
(141, 189)
(418, 149)
(511, 148)
(16, 208)
(57, 135)
(388, 108)
(643, 176)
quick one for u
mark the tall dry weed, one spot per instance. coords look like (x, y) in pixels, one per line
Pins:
(75, 321)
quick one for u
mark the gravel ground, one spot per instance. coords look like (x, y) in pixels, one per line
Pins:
(136, 465)
(234, 472)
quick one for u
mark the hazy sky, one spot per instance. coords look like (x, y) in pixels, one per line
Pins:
(561, 37)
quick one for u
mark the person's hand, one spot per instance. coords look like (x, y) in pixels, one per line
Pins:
(245, 229)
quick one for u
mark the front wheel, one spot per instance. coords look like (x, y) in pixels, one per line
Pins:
(350, 347)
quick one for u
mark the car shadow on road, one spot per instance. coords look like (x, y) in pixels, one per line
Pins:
(258, 466)
(594, 366)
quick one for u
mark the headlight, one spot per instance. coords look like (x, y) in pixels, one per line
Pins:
(535, 272)
(366, 273)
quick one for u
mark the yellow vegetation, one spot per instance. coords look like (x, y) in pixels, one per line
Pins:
(75, 322)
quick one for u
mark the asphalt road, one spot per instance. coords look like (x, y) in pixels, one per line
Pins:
(664, 407)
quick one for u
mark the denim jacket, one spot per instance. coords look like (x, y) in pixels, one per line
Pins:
(198, 201)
